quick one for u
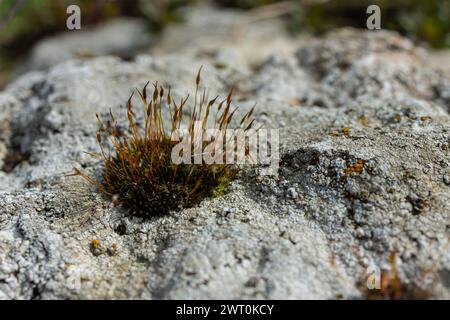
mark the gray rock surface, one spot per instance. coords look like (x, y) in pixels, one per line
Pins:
(123, 37)
(365, 144)
(228, 37)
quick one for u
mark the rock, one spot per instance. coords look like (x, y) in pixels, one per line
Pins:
(363, 160)
(292, 193)
(447, 180)
(99, 40)
(226, 37)
(374, 64)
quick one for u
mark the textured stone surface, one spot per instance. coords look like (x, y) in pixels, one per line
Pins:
(364, 128)
(123, 37)
(378, 64)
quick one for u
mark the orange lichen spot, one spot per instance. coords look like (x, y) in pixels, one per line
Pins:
(357, 167)
(97, 248)
(95, 243)
(346, 131)
(397, 117)
(337, 133)
(425, 118)
(112, 251)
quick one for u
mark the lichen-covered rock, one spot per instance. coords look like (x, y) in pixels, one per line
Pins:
(365, 146)
(358, 65)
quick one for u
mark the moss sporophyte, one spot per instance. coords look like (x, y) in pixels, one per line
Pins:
(148, 169)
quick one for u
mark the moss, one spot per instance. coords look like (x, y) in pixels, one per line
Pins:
(140, 173)
(222, 185)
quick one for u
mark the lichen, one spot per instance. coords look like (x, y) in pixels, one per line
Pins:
(357, 167)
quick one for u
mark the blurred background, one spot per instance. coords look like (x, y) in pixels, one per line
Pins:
(125, 27)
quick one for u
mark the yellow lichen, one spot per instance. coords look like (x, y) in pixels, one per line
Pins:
(95, 243)
(346, 131)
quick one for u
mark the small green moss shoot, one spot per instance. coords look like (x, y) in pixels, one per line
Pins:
(140, 174)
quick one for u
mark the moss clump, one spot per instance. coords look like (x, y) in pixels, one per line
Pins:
(140, 172)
